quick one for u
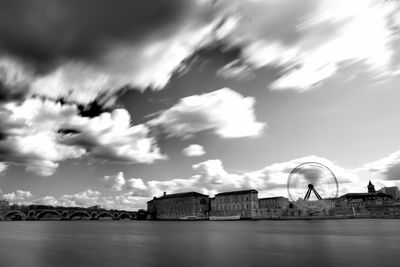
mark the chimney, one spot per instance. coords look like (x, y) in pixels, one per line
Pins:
(165, 193)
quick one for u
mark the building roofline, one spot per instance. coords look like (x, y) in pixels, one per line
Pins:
(272, 197)
(237, 192)
(183, 194)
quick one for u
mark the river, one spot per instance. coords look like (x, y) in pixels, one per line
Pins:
(203, 243)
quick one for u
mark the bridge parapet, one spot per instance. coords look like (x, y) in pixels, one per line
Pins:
(58, 213)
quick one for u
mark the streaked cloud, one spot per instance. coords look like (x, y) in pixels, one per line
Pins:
(388, 168)
(312, 40)
(224, 111)
(84, 51)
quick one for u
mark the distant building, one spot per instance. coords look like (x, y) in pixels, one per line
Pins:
(273, 203)
(371, 187)
(392, 190)
(363, 199)
(179, 206)
(243, 203)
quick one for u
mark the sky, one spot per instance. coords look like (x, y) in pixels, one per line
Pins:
(112, 103)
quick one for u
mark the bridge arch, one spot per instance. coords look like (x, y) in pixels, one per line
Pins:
(123, 216)
(41, 214)
(104, 214)
(14, 214)
(79, 212)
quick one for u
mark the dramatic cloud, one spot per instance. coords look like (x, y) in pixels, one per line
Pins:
(226, 112)
(388, 168)
(83, 51)
(193, 151)
(311, 40)
(80, 51)
(110, 136)
(14, 79)
(18, 196)
(30, 135)
(40, 134)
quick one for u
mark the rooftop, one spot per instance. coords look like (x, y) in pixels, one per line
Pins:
(271, 198)
(184, 194)
(237, 192)
(365, 195)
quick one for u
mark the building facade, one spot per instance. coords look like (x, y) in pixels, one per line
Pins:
(243, 203)
(273, 203)
(363, 199)
(188, 205)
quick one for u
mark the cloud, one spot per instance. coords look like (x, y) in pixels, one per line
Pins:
(126, 201)
(85, 198)
(41, 133)
(47, 200)
(388, 167)
(18, 196)
(15, 79)
(226, 112)
(98, 48)
(115, 182)
(30, 135)
(110, 136)
(236, 70)
(89, 197)
(311, 40)
(193, 150)
(3, 167)
(94, 49)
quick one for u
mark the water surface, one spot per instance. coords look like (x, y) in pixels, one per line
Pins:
(204, 243)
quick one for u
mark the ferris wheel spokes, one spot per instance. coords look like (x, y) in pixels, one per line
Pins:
(312, 189)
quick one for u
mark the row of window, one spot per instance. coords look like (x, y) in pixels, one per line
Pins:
(234, 198)
(234, 207)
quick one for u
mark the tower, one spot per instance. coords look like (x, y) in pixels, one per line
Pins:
(371, 187)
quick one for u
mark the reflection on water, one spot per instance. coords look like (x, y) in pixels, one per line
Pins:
(203, 243)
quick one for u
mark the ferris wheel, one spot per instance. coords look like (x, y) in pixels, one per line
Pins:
(312, 181)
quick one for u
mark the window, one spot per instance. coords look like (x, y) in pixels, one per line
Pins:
(203, 201)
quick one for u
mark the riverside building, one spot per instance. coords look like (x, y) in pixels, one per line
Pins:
(243, 203)
(184, 206)
(273, 203)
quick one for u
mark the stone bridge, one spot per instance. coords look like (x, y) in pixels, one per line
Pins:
(65, 214)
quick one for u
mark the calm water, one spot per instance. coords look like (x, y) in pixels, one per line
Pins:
(240, 243)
